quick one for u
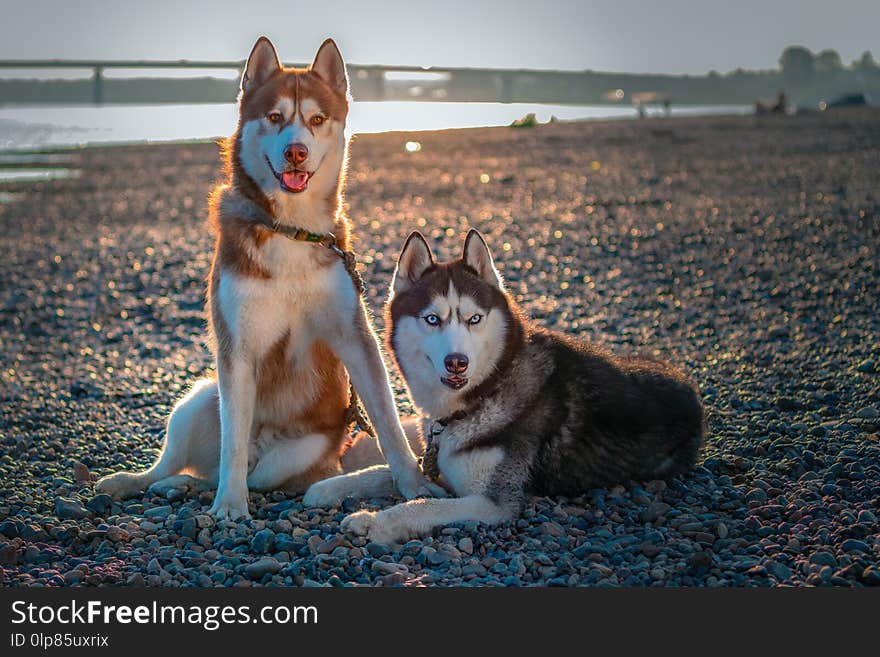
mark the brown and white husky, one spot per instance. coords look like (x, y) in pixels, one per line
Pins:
(511, 409)
(288, 326)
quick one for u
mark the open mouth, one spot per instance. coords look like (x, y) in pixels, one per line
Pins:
(454, 382)
(294, 181)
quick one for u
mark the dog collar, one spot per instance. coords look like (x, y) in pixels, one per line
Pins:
(327, 240)
(243, 206)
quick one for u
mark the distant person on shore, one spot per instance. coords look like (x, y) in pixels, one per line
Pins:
(779, 107)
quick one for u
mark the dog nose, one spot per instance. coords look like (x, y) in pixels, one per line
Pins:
(296, 153)
(456, 363)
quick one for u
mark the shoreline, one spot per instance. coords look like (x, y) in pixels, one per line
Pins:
(48, 173)
(708, 110)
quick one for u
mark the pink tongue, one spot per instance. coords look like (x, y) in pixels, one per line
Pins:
(295, 179)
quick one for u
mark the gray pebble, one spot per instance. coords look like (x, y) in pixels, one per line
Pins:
(855, 545)
(377, 550)
(263, 541)
(160, 512)
(756, 495)
(823, 559)
(68, 509)
(100, 504)
(263, 566)
(867, 366)
(655, 511)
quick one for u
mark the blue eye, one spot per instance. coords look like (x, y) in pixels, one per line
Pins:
(432, 319)
(475, 319)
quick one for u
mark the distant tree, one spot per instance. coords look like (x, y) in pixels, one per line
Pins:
(828, 61)
(798, 64)
(865, 63)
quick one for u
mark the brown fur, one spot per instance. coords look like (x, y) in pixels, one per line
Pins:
(237, 236)
(326, 413)
(276, 335)
(296, 84)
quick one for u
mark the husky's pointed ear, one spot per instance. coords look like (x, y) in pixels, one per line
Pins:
(261, 64)
(329, 65)
(414, 259)
(476, 254)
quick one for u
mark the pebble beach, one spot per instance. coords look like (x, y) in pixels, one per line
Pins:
(743, 249)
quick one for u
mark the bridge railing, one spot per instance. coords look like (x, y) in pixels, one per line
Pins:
(374, 82)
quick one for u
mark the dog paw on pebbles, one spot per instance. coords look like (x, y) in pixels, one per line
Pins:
(367, 524)
(229, 510)
(324, 494)
(120, 485)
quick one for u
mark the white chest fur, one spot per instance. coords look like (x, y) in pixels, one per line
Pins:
(301, 297)
(469, 472)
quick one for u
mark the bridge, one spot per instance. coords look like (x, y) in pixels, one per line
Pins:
(368, 82)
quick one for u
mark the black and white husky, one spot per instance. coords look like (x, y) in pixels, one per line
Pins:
(511, 409)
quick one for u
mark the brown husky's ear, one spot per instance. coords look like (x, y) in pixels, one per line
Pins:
(261, 64)
(329, 65)
(414, 259)
(476, 254)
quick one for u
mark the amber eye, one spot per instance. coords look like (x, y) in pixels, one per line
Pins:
(274, 116)
(317, 120)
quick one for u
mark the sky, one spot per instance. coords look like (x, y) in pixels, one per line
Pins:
(644, 36)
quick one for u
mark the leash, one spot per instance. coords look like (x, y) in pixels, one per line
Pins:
(355, 413)
(429, 461)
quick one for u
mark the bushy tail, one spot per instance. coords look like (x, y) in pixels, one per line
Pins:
(682, 459)
(689, 438)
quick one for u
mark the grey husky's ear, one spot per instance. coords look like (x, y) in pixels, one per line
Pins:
(476, 254)
(414, 259)
(329, 65)
(261, 64)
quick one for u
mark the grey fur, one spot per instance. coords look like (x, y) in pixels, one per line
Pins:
(540, 413)
(567, 415)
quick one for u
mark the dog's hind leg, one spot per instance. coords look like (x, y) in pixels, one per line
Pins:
(376, 481)
(194, 421)
(176, 482)
(365, 451)
(289, 459)
(366, 472)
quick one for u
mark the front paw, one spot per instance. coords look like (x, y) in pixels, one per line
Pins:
(414, 484)
(324, 494)
(230, 509)
(371, 525)
(358, 523)
(120, 485)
